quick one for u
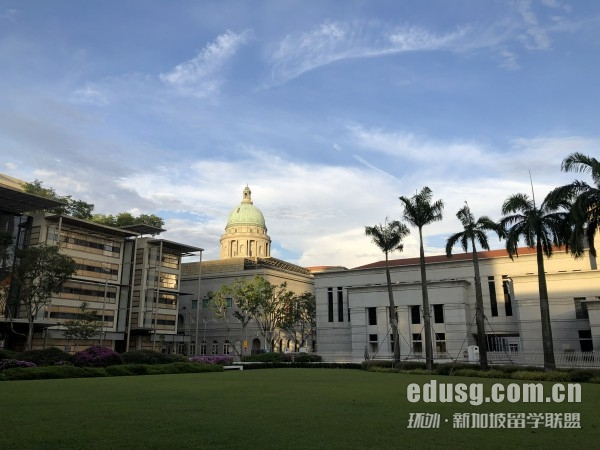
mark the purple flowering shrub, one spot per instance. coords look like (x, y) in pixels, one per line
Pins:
(222, 360)
(97, 357)
(10, 363)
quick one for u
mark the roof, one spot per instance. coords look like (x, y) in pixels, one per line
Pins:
(86, 224)
(443, 258)
(246, 213)
(176, 246)
(142, 228)
(17, 201)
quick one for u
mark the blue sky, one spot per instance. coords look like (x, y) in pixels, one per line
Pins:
(328, 110)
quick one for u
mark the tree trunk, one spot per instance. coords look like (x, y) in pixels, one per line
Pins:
(426, 312)
(479, 315)
(393, 315)
(29, 342)
(547, 342)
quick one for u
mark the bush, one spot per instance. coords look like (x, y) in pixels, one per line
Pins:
(264, 357)
(540, 376)
(47, 357)
(9, 354)
(97, 357)
(183, 367)
(451, 368)
(48, 372)
(223, 360)
(302, 357)
(150, 357)
(582, 375)
(10, 363)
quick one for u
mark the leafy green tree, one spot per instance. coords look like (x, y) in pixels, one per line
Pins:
(419, 211)
(388, 238)
(86, 326)
(584, 200)
(541, 228)
(75, 208)
(124, 219)
(299, 318)
(230, 302)
(474, 231)
(40, 272)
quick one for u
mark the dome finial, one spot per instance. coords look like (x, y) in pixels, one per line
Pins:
(247, 196)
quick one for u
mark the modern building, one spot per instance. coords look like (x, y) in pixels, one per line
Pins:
(245, 253)
(353, 306)
(129, 278)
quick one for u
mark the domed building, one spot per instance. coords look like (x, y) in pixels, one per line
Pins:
(245, 232)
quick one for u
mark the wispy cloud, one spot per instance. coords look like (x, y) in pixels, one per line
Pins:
(201, 75)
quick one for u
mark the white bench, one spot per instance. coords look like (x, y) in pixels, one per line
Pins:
(233, 367)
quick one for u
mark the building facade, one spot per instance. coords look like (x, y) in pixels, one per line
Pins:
(353, 306)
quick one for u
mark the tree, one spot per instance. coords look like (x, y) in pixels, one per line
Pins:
(74, 208)
(584, 200)
(388, 238)
(84, 327)
(541, 228)
(474, 231)
(419, 211)
(231, 298)
(300, 318)
(124, 219)
(40, 272)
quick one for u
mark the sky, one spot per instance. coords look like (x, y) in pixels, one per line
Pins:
(328, 111)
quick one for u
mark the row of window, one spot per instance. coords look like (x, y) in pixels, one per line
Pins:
(506, 289)
(417, 342)
(415, 314)
(340, 305)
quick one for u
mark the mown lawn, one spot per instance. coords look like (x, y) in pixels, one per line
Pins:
(264, 409)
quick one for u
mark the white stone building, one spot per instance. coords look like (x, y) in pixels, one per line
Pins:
(353, 319)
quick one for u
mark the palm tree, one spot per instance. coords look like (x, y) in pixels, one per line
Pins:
(474, 231)
(389, 238)
(541, 228)
(584, 199)
(420, 211)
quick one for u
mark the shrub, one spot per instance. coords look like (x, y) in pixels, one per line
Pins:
(10, 363)
(97, 357)
(582, 375)
(451, 368)
(48, 372)
(264, 357)
(9, 354)
(540, 376)
(302, 357)
(150, 357)
(223, 360)
(183, 367)
(47, 357)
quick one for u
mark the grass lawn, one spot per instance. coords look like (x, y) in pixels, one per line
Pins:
(264, 409)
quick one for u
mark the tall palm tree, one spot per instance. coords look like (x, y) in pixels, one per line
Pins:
(474, 231)
(388, 238)
(541, 228)
(420, 211)
(585, 201)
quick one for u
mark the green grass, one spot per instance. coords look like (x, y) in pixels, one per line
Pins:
(263, 409)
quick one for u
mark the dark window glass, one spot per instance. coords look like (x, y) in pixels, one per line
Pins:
(493, 301)
(507, 297)
(415, 314)
(372, 316)
(340, 298)
(438, 313)
(330, 304)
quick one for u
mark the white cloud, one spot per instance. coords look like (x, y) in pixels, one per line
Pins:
(201, 75)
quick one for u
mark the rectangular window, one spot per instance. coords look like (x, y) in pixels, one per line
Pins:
(417, 343)
(194, 304)
(340, 305)
(493, 301)
(226, 348)
(192, 349)
(440, 342)
(581, 311)
(215, 347)
(585, 340)
(438, 313)
(372, 313)
(205, 302)
(373, 338)
(415, 314)
(330, 304)
(203, 348)
(507, 298)
(229, 302)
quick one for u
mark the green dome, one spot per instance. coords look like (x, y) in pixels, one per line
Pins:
(246, 213)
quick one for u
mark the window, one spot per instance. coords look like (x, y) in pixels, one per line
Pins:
(194, 304)
(373, 338)
(181, 348)
(226, 348)
(585, 340)
(202, 348)
(417, 343)
(340, 301)
(372, 313)
(392, 342)
(330, 304)
(507, 298)
(229, 302)
(493, 301)
(440, 342)
(215, 347)
(581, 311)
(205, 302)
(438, 313)
(415, 314)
